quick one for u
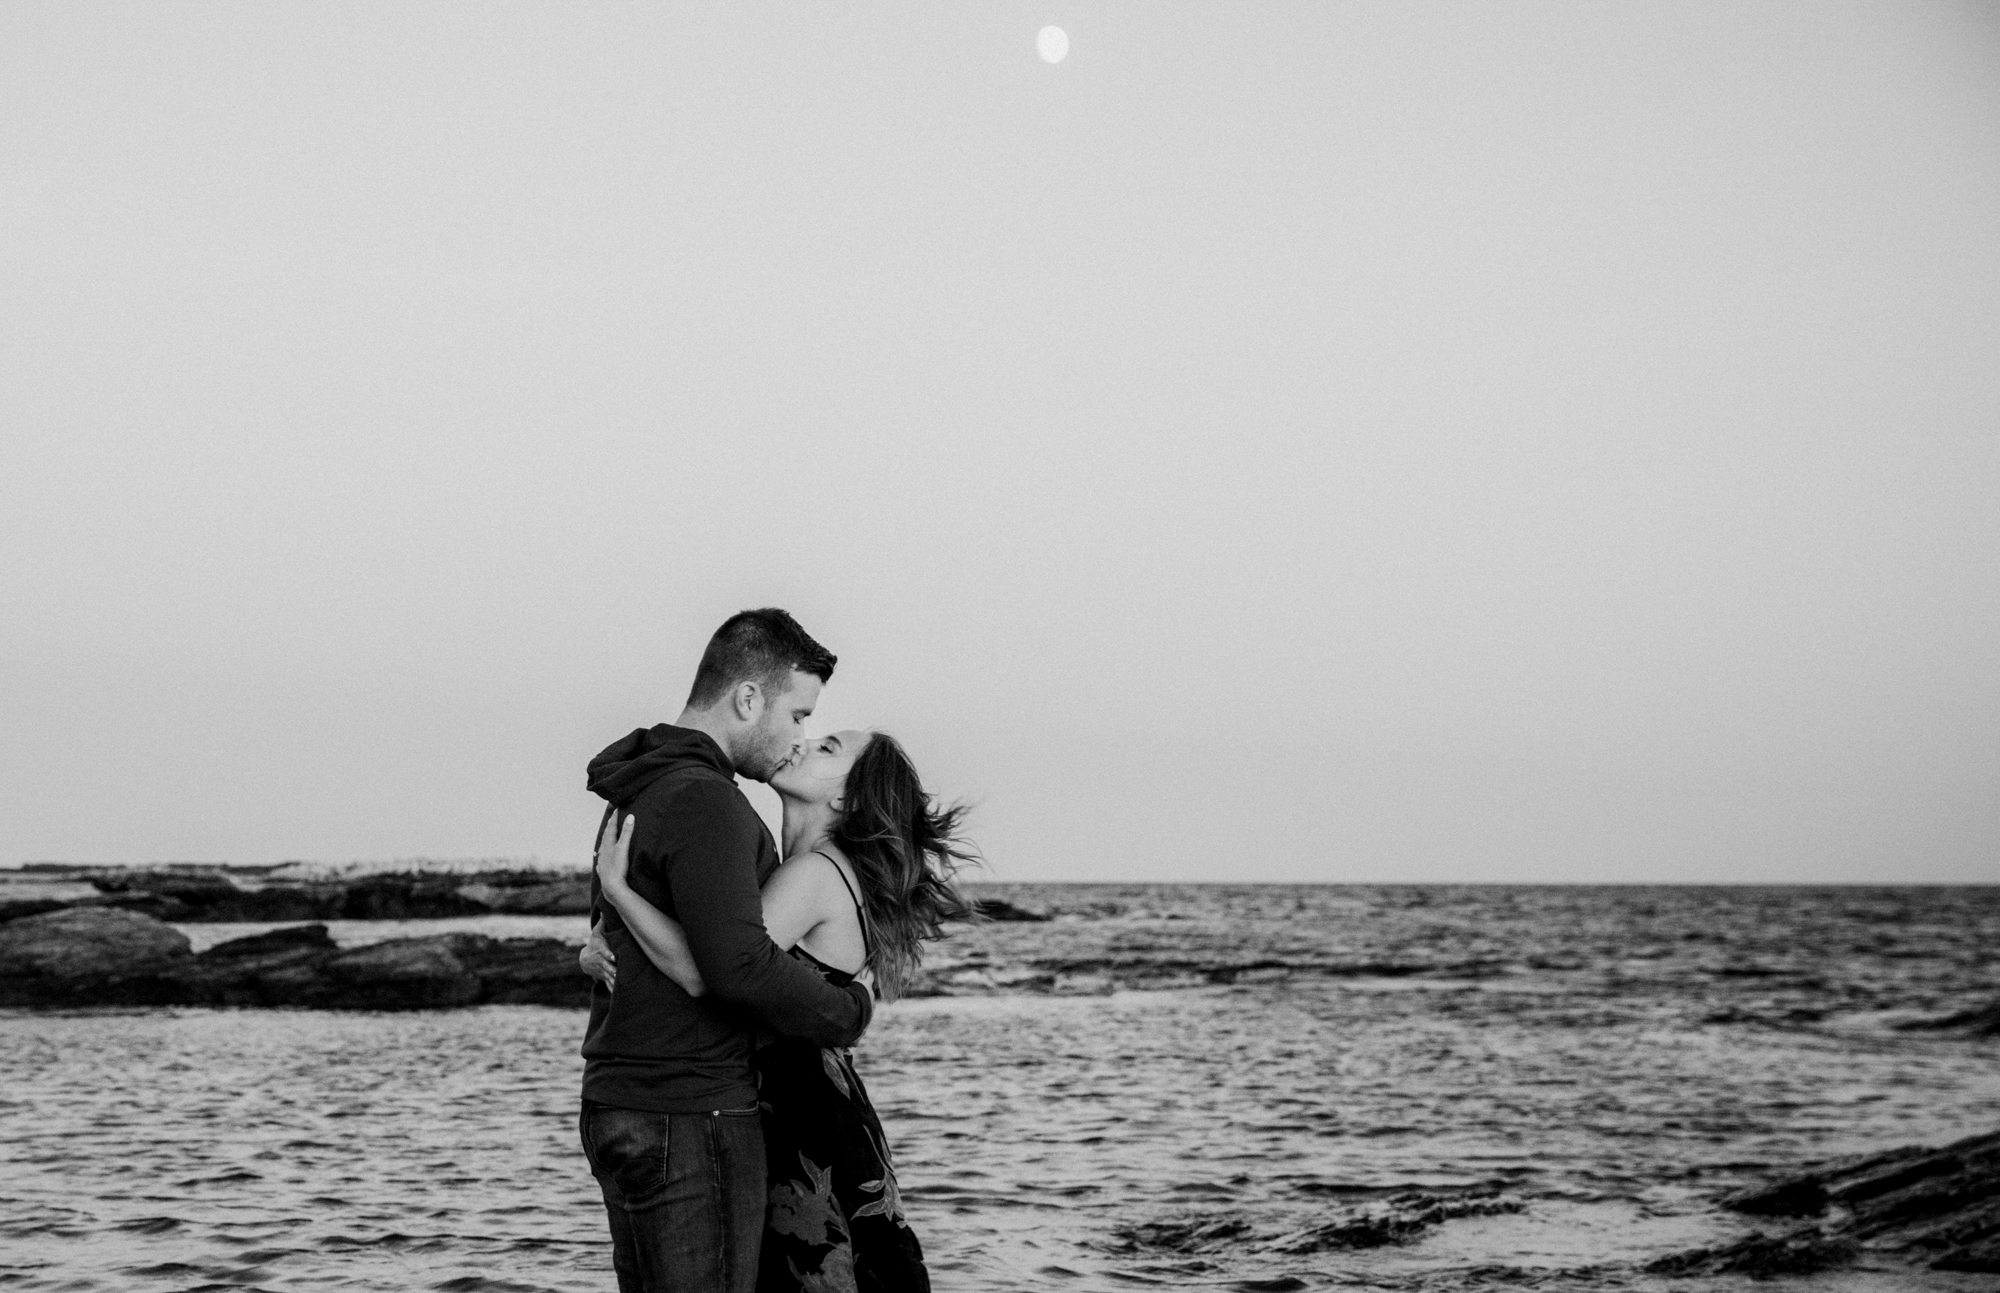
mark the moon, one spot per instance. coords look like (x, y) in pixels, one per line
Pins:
(1053, 44)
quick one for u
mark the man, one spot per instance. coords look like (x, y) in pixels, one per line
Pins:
(670, 1121)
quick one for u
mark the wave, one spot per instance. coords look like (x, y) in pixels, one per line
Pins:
(1397, 1218)
(1088, 976)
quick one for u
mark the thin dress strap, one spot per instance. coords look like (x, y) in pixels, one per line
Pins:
(859, 913)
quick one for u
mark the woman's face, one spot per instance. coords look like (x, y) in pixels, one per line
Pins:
(819, 774)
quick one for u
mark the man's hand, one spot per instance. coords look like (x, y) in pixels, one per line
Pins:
(596, 959)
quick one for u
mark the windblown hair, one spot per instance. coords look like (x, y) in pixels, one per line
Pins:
(761, 646)
(905, 849)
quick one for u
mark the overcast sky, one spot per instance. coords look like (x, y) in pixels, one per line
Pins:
(1290, 441)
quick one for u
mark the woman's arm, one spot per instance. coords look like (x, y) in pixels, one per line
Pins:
(596, 958)
(796, 900)
(659, 936)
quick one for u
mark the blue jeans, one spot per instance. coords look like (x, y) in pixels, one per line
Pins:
(684, 1193)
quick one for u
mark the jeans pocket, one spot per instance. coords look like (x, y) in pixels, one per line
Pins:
(628, 1148)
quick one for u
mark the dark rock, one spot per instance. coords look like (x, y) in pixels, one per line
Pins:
(312, 938)
(1980, 1021)
(88, 942)
(565, 897)
(102, 956)
(402, 974)
(524, 971)
(1182, 1234)
(279, 903)
(159, 906)
(1799, 1253)
(1806, 1198)
(1001, 909)
(403, 897)
(1983, 1255)
(19, 907)
(150, 904)
(1396, 1220)
(212, 894)
(198, 892)
(278, 967)
(83, 955)
(206, 896)
(1938, 1206)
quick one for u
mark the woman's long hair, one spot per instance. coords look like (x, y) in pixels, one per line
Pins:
(905, 850)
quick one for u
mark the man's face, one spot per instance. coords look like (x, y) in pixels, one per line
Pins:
(779, 732)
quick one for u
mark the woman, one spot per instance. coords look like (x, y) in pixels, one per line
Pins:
(868, 878)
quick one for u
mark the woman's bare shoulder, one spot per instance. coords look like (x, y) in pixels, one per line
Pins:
(825, 863)
(804, 893)
(807, 872)
(826, 869)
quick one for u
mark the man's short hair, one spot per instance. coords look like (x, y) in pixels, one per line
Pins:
(761, 646)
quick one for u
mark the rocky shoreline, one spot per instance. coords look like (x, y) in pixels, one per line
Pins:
(103, 938)
(1934, 1207)
(255, 895)
(201, 895)
(98, 955)
(1917, 1205)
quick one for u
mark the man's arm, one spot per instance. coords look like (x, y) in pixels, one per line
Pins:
(714, 887)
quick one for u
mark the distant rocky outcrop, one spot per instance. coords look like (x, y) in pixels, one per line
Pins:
(88, 946)
(103, 956)
(15, 908)
(1002, 910)
(569, 896)
(218, 895)
(1939, 1207)
(202, 894)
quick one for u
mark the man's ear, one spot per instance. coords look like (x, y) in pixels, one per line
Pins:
(747, 700)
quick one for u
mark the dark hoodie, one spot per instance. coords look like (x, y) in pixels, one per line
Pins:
(700, 854)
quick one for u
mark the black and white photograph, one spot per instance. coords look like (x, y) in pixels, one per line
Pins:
(1285, 647)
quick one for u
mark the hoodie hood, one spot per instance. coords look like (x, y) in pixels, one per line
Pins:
(631, 763)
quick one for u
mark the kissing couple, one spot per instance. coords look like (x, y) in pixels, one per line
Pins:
(722, 1116)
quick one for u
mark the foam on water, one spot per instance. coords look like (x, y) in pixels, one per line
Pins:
(1166, 1085)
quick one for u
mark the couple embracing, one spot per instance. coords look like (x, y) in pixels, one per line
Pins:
(722, 1117)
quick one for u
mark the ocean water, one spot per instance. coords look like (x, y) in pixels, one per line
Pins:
(1180, 1086)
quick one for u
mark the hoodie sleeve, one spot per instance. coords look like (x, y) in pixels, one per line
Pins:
(713, 882)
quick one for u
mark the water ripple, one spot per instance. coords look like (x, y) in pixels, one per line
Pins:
(1507, 1086)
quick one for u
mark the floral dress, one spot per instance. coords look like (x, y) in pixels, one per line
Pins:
(835, 1220)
